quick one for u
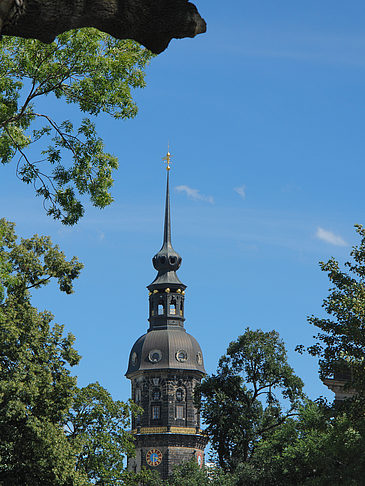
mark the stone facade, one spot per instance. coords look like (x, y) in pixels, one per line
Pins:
(168, 431)
(166, 398)
(175, 448)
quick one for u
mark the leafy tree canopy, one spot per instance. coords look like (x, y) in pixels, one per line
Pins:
(243, 403)
(36, 388)
(51, 432)
(185, 474)
(341, 341)
(315, 449)
(96, 426)
(190, 474)
(142, 478)
(86, 68)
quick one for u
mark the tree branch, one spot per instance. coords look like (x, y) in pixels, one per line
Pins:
(37, 175)
(40, 282)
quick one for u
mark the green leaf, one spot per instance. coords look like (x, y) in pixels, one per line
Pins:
(86, 68)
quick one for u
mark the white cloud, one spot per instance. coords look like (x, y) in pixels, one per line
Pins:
(194, 194)
(330, 237)
(241, 191)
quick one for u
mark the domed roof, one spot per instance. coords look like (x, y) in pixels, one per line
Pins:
(166, 349)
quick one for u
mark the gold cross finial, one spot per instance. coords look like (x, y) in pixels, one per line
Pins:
(167, 159)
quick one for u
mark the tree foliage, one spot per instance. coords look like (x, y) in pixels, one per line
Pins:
(324, 444)
(341, 341)
(190, 474)
(185, 474)
(61, 159)
(51, 432)
(36, 387)
(317, 448)
(142, 478)
(242, 403)
(96, 425)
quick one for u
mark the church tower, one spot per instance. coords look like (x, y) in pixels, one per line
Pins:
(165, 365)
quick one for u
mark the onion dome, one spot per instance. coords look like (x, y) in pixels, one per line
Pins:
(166, 349)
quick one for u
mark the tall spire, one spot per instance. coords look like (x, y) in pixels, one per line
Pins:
(167, 260)
(166, 291)
(167, 224)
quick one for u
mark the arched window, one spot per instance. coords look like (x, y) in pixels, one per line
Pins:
(156, 414)
(161, 310)
(180, 412)
(181, 308)
(156, 394)
(172, 308)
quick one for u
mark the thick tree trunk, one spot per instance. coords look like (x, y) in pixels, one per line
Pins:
(153, 23)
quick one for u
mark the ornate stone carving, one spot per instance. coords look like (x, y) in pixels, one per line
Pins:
(153, 23)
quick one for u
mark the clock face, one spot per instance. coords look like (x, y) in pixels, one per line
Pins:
(154, 457)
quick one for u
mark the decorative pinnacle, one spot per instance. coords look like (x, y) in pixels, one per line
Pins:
(167, 159)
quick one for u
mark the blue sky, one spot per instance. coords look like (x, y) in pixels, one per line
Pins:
(265, 118)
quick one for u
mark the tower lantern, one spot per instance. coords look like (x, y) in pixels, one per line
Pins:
(165, 365)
